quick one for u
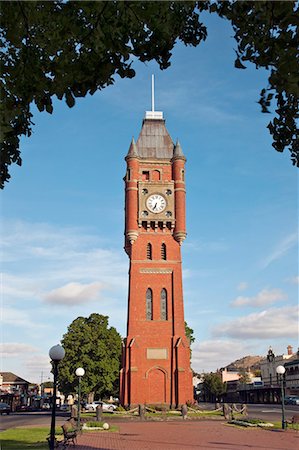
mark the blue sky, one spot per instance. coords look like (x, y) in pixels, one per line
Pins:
(63, 218)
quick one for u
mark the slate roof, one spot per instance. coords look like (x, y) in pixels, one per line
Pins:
(154, 141)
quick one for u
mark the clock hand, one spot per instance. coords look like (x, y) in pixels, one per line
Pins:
(155, 206)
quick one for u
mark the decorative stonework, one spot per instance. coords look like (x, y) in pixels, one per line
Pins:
(155, 270)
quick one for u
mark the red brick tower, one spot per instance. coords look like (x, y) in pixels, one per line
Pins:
(156, 352)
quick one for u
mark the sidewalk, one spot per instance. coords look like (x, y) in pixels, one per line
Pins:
(186, 436)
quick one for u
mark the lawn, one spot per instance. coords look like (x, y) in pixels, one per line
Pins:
(25, 438)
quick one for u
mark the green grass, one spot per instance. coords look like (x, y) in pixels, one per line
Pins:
(25, 438)
(278, 425)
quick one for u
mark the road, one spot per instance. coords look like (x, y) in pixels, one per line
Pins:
(23, 419)
(272, 413)
(262, 411)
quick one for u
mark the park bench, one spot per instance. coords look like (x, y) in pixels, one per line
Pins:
(294, 420)
(69, 433)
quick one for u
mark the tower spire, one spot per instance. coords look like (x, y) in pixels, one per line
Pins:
(154, 115)
(153, 92)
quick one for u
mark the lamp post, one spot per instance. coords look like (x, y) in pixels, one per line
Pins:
(56, 354)
(79, 372)
(280, 370)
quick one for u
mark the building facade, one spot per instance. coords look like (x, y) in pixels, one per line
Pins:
(156, 352)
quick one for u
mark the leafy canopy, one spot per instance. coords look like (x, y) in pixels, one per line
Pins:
(69, 49)
(91, 344)
(213, 386)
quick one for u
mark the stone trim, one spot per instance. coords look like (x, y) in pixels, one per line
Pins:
(156, 270)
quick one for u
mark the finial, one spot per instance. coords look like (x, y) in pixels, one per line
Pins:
(157, 115)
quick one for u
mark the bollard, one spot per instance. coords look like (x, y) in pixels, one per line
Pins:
(244, 409)
(226, 411)
(141, 412)
(233, 409)
(74, 412)
(184, 410)
(99, 412)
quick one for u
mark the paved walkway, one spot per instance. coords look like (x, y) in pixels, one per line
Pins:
(188, 436)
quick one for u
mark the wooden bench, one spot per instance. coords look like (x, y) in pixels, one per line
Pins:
(69, 434)
(294, 420)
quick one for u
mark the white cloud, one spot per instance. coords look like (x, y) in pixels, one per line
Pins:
(49, 256)
(281, 249)
(269, 324)
(242, 286)
(263, 298)
(210, 355)
(294, 280)
(20, 318)
(74, 293)
(16, 349)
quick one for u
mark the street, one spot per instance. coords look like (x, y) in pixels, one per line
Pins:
(271, 413)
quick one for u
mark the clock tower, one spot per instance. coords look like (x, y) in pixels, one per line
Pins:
(156, 352)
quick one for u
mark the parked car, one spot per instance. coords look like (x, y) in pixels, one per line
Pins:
(64, 407)
(46, 406)
(5, 408)
(107, 407)
(288, 399)
(294, 401)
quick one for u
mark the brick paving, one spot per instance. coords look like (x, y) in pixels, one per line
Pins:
(187, 436)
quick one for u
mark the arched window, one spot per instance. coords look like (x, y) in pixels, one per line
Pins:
(149, 251)
(149, 304)
(156, 176)
(163, 251)
(163, 303)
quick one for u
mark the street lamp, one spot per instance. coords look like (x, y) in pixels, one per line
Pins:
(270, 358)
(79, 372)
(56, 354)
(270, 355)
(280, 370)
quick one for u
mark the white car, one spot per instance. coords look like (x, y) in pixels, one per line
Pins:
(107, 407)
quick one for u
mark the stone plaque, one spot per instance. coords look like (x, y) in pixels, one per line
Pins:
(156, 353)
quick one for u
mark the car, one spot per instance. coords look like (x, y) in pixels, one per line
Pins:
(294, 401)
(5, 408)
(288, 399)
(46, 406)
(107, 407)
(64, 407)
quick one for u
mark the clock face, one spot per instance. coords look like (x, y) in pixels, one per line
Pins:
(156, 203)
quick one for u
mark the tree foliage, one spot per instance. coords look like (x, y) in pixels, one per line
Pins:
(244, 376)
(213, 386)
(267, 36)
(71, 49)
(189, 333)
(91, 344)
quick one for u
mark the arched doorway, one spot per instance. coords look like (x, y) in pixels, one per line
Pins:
(157, 385)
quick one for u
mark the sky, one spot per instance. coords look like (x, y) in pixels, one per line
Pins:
(63, 213)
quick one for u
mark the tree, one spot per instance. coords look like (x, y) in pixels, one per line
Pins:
(244, 376)
(91, 344)
(213, 387)
(189, 333)
(69, 49)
